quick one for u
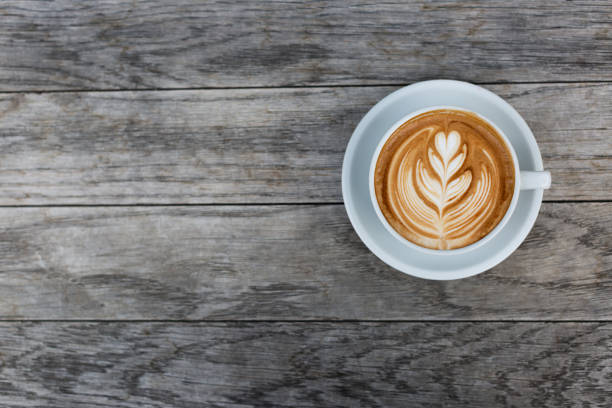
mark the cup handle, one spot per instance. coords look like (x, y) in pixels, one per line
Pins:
(534, 180)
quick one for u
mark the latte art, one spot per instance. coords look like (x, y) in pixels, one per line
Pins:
(444, 179)
(440, 192)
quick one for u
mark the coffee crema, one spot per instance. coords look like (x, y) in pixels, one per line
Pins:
(444, 179)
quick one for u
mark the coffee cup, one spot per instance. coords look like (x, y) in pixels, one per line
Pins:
(523, 180)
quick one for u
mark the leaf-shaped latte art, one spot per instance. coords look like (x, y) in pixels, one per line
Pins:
(438, 202)
(444, 179)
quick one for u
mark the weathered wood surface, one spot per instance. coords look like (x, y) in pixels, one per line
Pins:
(281, 262)
(479, 365)
(97, 44)
(245, 146)
(259, 263)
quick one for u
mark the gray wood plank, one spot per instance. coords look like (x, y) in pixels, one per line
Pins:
(67, 44)
(245, 146)
(281, 263)
(479, 365)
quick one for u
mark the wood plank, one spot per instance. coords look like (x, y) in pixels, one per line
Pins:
(281, 263)
(67, 44)
(245, 146)
(125, 365)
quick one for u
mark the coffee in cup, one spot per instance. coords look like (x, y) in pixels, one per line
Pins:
(444, 179)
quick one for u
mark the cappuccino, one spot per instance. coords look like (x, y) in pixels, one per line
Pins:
(444, 179)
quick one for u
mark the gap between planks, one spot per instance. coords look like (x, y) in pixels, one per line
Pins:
(251, 204)
(229, 88)
(305, 321)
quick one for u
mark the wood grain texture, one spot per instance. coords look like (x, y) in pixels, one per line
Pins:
(246, 146)
(67, 44)
(479, 365)
(281, 263)
(199, 267)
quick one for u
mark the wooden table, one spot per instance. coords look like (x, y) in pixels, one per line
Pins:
(172, 229)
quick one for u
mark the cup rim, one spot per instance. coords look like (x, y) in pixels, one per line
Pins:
(456, 251)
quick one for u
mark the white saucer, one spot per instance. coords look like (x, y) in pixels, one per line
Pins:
(361, 147)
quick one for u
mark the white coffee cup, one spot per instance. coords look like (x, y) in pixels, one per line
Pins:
(524, 180)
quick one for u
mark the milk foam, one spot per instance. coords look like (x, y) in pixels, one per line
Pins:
(442, 187)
